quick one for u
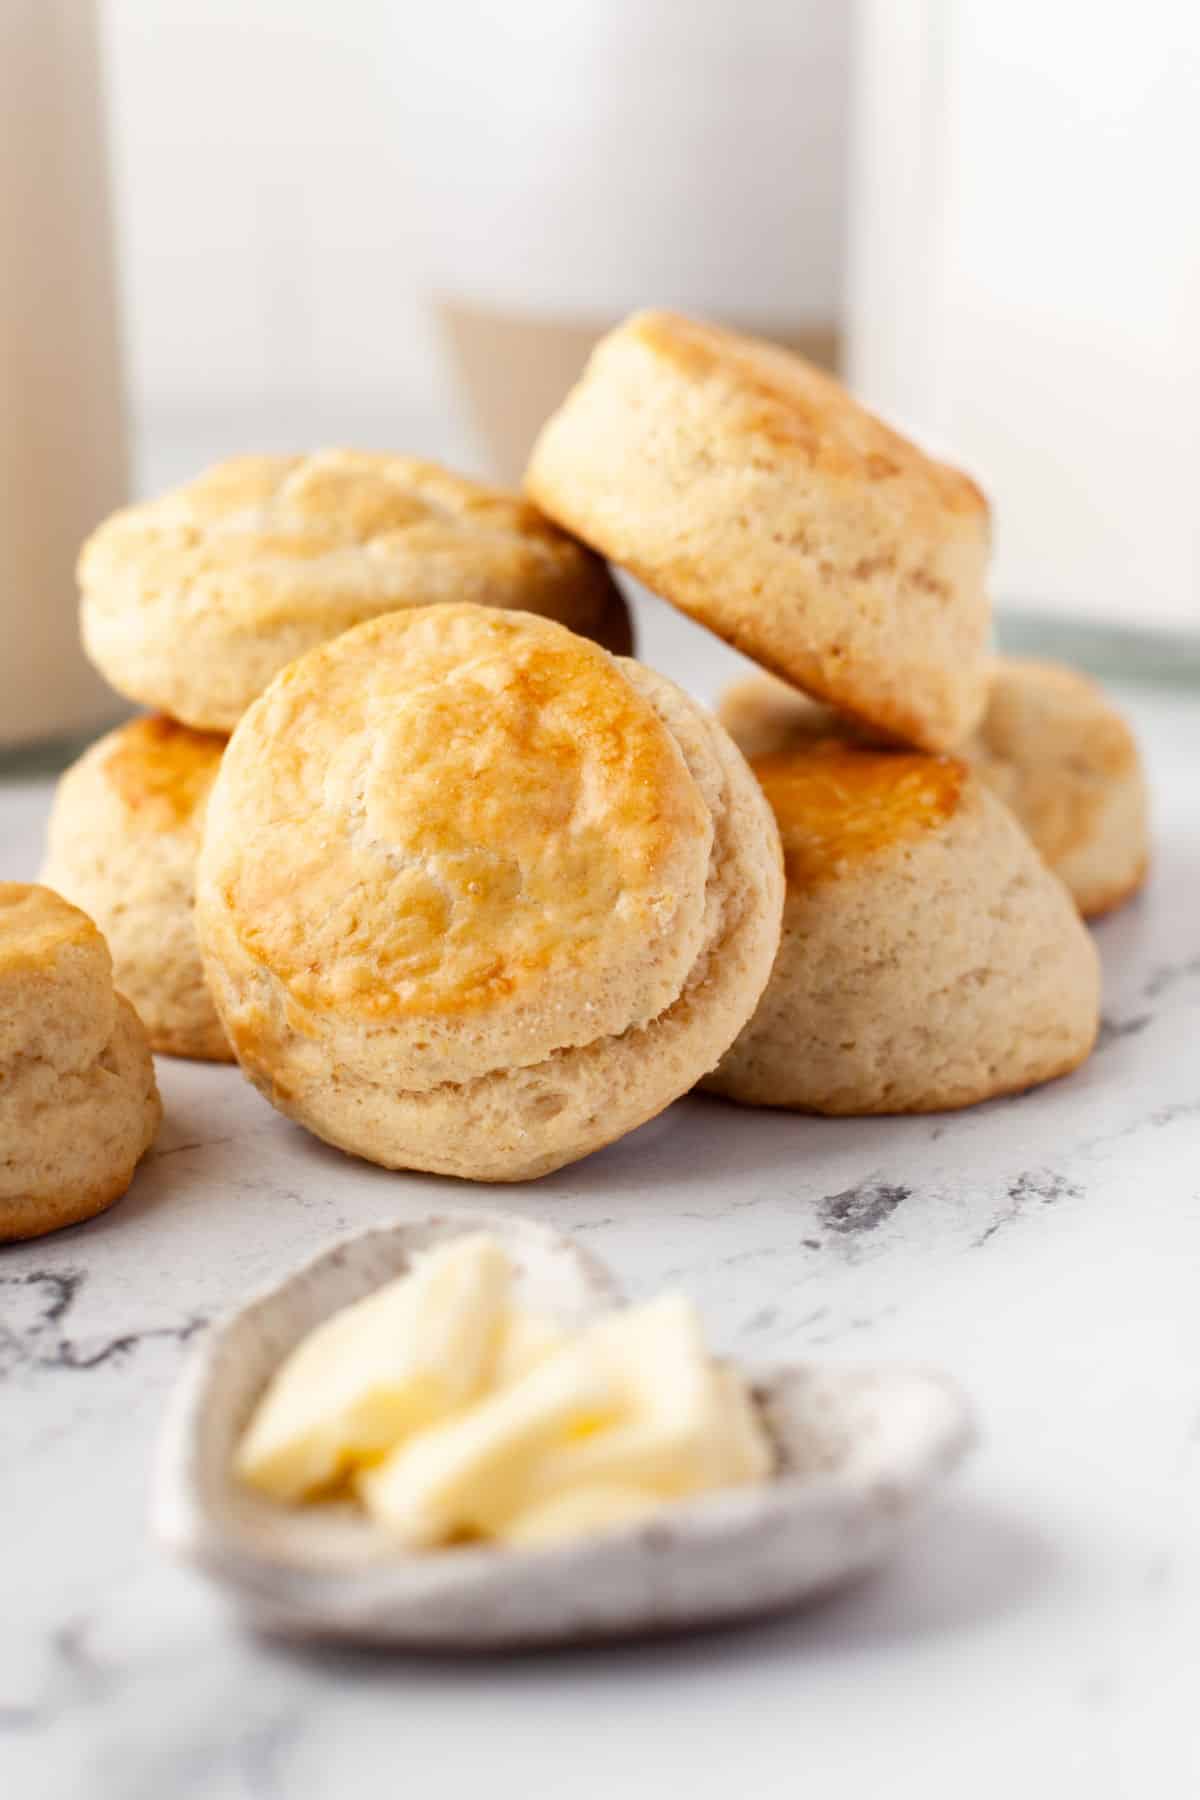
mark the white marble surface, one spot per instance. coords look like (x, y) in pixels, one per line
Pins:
(1039, 1634)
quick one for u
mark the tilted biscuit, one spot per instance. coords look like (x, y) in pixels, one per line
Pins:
(78, 1100)
(750, 490)
(123, 839)
(194, 601)
(477, 897)
(929, 958)
(1051, 744)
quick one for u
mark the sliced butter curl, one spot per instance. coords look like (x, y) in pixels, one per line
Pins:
(416, 1350)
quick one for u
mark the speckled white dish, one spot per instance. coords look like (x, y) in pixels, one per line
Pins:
(859, 1450)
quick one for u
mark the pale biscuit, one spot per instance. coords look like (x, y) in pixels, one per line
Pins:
(763, 714)
(194, 601)
(1051, 744)
(1057, 750)
(78, 1101)
(478, 898)
(123, 840)
(929, 959)
(750, 490)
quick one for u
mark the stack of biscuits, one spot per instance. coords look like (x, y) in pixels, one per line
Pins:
(943, 815)
(470, 890)
(194, 602)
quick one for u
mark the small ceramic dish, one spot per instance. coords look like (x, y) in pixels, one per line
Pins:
(858, 1449)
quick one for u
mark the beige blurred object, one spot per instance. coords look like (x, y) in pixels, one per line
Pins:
(516, 369)
(578, 162)
(62, 429)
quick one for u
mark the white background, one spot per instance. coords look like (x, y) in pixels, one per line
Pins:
(294, 177)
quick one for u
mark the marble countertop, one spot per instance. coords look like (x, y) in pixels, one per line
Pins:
(1040, 1630)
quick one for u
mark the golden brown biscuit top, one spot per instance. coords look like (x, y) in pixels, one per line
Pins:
(790, 402)
(455, 809)
(838, 803)
(163, 769)
(37, 926)
(283, 533)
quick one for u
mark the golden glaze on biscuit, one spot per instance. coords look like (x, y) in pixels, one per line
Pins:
(194, 601)
(837, 803)
(944, 965)
(513, 812)
(159, 766)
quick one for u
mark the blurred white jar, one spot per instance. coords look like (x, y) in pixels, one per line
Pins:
(62, 429)
(1024, 280)
(574, 159)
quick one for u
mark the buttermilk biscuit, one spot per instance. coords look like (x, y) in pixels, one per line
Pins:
(750, 490)
(1056, 749)
(929, 958)
(477, 897)
(123, 840)
(194, 601)
(1051, 745)
(78, 1103)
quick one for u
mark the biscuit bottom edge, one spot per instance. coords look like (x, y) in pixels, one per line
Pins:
(22, 1220)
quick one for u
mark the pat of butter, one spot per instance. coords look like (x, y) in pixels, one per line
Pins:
(673, 1434)
(526, 1340)
(470, 1473)
(419, 1348)
(631, 1406)
(579, 1512)
(450, 1413)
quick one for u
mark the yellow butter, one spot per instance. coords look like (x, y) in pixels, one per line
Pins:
(409, 1354)
(526, 1339)
(467, 1475)
(676, 1430)
(452, 1413)
(578, 1513)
